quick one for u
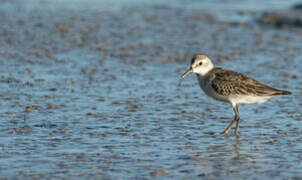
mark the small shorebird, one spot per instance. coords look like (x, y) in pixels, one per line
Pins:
(229, 86)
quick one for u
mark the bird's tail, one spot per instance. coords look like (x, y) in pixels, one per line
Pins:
(282, 93)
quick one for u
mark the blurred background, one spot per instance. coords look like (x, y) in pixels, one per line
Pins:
(92, 89)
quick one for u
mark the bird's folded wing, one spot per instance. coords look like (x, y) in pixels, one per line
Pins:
(227, 82)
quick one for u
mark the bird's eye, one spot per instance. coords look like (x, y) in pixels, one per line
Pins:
(200, 63)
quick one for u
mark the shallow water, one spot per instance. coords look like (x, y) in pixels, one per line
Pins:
(96, 93)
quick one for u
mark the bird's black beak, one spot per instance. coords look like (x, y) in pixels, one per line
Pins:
(189, 71)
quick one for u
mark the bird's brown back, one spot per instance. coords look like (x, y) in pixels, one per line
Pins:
(226, 82)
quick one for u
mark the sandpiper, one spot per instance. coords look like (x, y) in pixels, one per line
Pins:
(229, 86)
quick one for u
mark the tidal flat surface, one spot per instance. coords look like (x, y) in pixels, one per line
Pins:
(93, 91)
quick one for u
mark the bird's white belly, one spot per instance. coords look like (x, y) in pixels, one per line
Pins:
(239, 99)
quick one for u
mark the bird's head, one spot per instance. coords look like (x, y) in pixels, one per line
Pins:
(200, 64)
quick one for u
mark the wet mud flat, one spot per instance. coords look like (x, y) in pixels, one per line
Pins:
(97, 95)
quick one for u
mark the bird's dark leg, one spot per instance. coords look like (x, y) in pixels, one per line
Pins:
(236, 118)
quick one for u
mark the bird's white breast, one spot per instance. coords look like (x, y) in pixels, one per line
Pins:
(208, 89)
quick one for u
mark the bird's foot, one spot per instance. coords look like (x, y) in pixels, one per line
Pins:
(226, 132)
